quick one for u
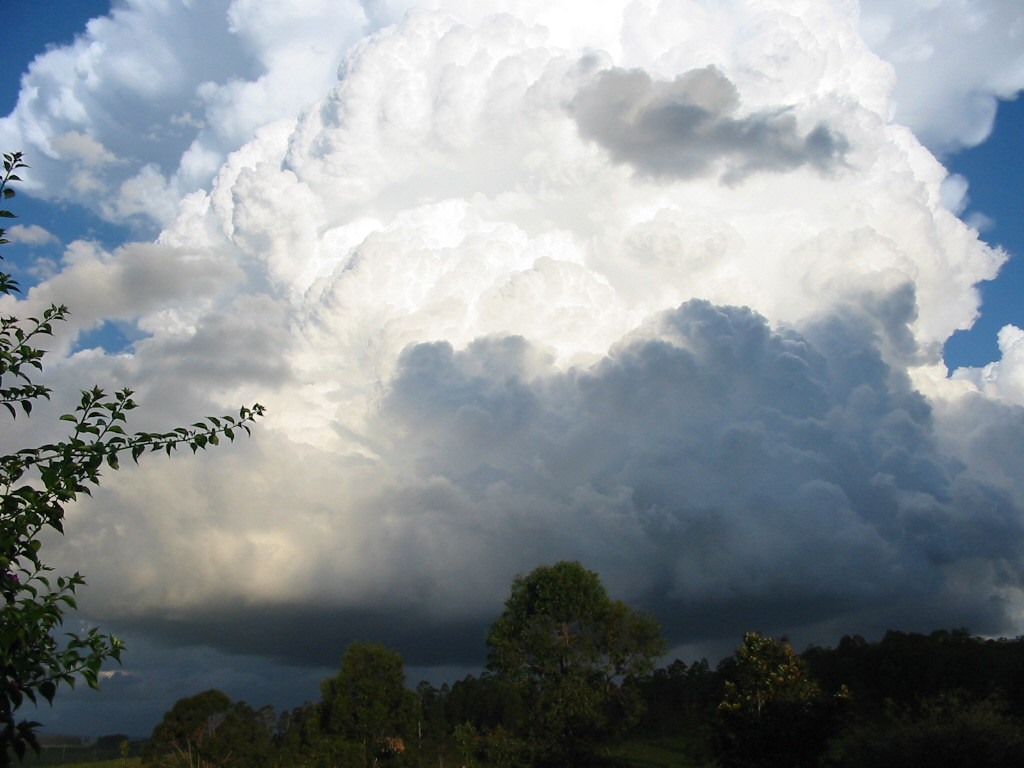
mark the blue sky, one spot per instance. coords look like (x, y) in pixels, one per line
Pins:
(42, 25)
(995, 171)
(663, 292)
(36, 27)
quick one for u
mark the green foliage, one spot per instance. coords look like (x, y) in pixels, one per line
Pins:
(367, 703)
(487, 701)
(767, 672)
(559, 620)
(185, 729)
(490, 748)
(760, 707)
(432, 722)
(772, 714)
(904, 667)
(35, 485)
(679, 697)
(951, 730)
(296, 733)
(567, 647)
(209, 731)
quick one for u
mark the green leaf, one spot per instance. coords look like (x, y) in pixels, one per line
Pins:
(48, 689)
(90, 678)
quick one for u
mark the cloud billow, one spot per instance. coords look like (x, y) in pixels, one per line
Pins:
(688, 127)
(714, 469)
(483, 270)
(717, 456)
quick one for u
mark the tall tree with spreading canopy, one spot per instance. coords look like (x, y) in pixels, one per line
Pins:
(36, 484)
(568, 647)
(367, 703)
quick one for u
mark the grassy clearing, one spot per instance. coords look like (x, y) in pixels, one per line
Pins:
(657, 753)
(131, 762)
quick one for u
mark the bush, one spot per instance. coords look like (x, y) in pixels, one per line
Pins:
(945, 731)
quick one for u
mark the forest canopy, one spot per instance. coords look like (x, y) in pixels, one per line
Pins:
(568, 685)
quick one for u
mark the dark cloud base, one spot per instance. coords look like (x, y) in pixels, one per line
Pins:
(718, 472)
(315, 636)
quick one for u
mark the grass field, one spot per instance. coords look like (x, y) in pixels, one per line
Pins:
(657, 753)
(641, 753)
(51, 758)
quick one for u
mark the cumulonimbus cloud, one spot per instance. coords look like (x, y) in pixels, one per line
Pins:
(664, 291)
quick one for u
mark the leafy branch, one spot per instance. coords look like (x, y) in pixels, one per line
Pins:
(35, 485)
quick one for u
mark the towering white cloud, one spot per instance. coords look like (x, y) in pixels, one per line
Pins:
(145, 104)
(953, 61)
(658, 286)
(1004, 378)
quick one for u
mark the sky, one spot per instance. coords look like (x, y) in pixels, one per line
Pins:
(718, 297)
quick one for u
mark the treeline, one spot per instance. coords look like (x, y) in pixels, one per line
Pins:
(943, 699)
(571, 676)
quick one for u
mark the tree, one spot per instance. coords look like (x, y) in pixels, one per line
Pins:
(209, 731)
(772, 712)
(35, 486)
(180, 738)
(367, 702)
(568, 646)
(680, 698)
(299, 740)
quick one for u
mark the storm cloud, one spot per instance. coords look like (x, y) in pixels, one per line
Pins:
(660, 289)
